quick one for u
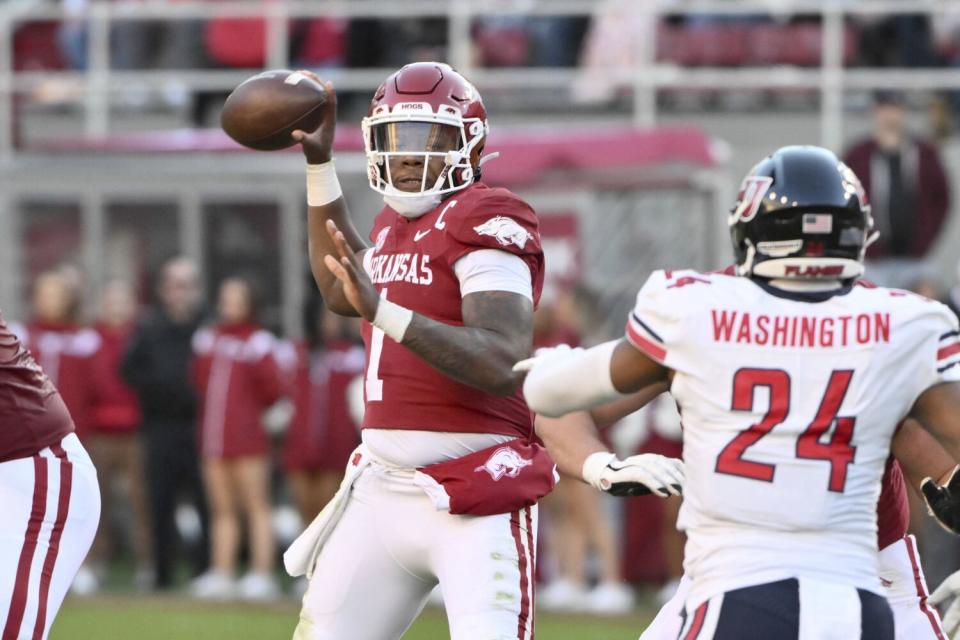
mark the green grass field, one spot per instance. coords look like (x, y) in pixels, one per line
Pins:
(159, 618)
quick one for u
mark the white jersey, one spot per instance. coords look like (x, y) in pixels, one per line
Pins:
(788, 405)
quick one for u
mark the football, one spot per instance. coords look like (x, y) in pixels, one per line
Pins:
(263, 110)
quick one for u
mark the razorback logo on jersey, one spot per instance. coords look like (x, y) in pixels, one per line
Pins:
(752, 191)
(506, 230)
(381, 238)
(504, 462)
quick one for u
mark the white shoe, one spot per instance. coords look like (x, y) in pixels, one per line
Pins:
(258, 586)
(85, 583)
(563, 595)
(610, 599)
(213, 585)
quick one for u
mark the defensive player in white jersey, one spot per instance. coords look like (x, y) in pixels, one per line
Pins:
(444, 487)
(791, 382)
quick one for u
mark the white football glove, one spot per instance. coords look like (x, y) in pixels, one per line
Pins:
(949, 588)
(545, 355)
(636, 476)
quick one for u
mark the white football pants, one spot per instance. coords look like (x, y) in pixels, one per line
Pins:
(51, 507)
(392, 546)
(904, 587)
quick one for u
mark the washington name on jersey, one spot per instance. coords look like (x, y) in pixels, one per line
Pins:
(799, 331)
(788, 404)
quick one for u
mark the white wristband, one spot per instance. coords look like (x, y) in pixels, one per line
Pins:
(392, 319)
(323, 187)
(593, 467)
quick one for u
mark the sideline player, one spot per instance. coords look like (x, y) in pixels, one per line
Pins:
(49, 493)
(447, 292)
(790, 381)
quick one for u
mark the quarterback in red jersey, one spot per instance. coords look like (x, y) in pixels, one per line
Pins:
(51, 501)
(448, 463)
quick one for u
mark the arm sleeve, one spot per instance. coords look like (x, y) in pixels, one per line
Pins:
(501, 222)
(493, 270)
(655, 326)
(948, 349)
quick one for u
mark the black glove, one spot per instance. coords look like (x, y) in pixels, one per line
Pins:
(943, 502)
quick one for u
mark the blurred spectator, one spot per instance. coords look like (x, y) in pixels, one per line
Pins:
(901, 40)
(60, 345)
(238, 378)
(157, 366)
(612, 46)
(323, 434)
(578, 525)
(556, 41)
(953, 296)
(113, 441)
(907, 187)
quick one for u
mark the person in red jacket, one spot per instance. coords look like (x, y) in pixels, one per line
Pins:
(60, 345)
(113, 438)
(909, 194)
(237, 376)
(323, 432)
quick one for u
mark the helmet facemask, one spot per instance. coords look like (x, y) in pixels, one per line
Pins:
(399, 146)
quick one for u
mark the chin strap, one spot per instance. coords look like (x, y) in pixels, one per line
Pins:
(487, 158)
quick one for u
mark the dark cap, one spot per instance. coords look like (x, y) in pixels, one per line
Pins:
(888, 97)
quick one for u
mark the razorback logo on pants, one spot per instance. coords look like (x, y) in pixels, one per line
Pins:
(504, 462)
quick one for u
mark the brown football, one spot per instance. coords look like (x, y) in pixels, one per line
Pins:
(263, 110)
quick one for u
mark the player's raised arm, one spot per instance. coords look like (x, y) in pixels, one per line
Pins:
(326, 202)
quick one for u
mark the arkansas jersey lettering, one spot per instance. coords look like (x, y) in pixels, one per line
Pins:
(401, 267)
(800, 331)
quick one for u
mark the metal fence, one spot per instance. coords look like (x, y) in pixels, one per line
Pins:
(644, 78)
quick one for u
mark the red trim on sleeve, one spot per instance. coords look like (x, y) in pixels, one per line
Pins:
(656, 352)
(946, 352)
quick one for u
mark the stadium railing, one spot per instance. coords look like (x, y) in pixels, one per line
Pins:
(644, 78)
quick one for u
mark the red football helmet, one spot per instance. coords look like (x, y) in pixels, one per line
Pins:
(425, 109)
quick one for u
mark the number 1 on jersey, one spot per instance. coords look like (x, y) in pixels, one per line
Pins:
(372, 384)
(838, 451)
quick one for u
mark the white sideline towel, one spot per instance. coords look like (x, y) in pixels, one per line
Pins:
(301, 557)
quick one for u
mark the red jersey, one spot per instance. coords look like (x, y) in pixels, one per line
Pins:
(322, 433)
(116, 408)
(32, 414)
(238, 377)
(65, 353)
(412, 264)
(893, 508)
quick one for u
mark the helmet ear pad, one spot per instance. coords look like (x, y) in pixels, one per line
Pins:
(475, 156)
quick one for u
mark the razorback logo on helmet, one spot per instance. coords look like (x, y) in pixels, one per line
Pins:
(813, 271)
(752, 191)
(504, 462)
(506, 230)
